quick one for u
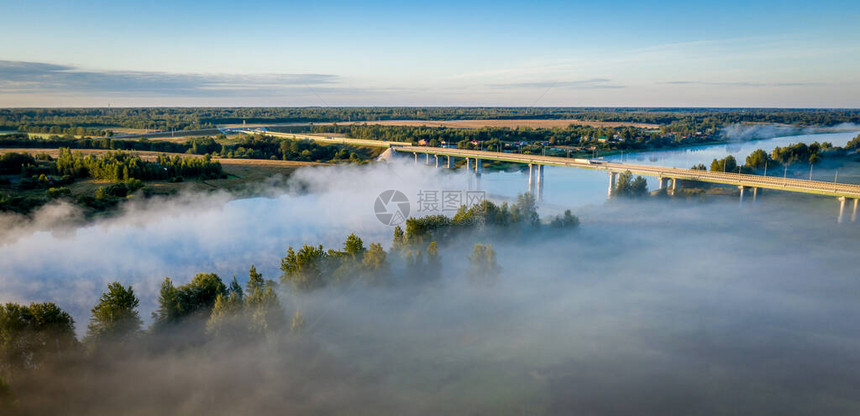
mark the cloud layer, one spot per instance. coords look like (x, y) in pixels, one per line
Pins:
(35, 77)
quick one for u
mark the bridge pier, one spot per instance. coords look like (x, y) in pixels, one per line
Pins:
(612, 177)
(660, 183)
(416, 157)
(449, 163)
(531, 179)
(742, 188)
(854, 212)
(754, 194)
(841, 209)
(478, 168)
(437, 160)
(426, 158)
(674, 185)
(539, 183)
(468, 165)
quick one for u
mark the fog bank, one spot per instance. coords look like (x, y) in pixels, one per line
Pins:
(650, 307)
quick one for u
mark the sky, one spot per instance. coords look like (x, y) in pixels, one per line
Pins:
(441, 53)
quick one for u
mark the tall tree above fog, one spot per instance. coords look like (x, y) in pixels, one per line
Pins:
(115, 316)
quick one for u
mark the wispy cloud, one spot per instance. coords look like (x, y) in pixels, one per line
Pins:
(35, 77)
(744, 83)
(593, 83)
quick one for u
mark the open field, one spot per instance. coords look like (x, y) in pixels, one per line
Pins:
(532, 123)
(230, 138)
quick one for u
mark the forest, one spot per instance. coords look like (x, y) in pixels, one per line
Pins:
(245, 147)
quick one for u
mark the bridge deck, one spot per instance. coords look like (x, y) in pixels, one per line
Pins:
(725, 178)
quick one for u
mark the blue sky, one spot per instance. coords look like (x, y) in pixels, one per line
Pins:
(610, 53)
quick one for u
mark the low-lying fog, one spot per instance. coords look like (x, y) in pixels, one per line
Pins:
(650, 307)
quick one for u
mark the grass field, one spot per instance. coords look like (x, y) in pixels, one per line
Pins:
(127, 130)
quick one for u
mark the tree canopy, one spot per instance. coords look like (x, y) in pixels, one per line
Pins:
(115, 316)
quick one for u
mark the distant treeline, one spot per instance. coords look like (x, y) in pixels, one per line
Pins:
(53, 142)
(247, 147)
(122, 166)
(98, 121)
(492, 137)
(113, 166)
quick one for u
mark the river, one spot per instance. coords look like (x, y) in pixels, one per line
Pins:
(566, 187)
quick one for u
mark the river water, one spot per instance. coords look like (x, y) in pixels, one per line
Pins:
(566, 187)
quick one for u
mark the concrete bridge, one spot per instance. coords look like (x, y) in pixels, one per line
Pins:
(666, 176)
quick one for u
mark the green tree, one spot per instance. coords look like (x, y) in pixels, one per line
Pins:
(726, 164)
(399, 240)
(483, 261)
(115, 316)
(200, 294)
(195, 299)
(757, 159)
(258, 313)
(567, 220)
(639, 187)
(255, 280)
(623, 186)
(262, 303)
(305, 269)
(853, 143)
(235, 289)
(525, 210)
(169, 309)
(354, 247)
(226, 316)
(434, 260)
(374, 263)
(266, 313)
(30, 335)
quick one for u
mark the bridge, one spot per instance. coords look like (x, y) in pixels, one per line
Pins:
(665, 175)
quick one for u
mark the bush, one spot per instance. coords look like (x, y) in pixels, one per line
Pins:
(567, 220)
(54, 193)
